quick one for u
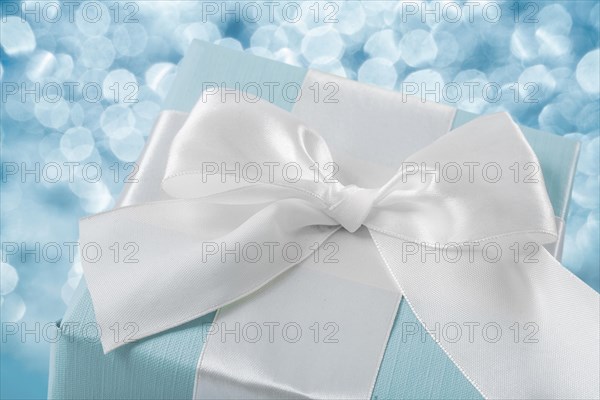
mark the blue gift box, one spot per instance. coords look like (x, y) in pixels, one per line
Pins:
(164, 366)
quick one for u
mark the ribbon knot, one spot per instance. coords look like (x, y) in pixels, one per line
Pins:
(353, 208)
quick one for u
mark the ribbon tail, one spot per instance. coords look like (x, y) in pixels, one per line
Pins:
(522, 326)
(318, 332)
(159, 265)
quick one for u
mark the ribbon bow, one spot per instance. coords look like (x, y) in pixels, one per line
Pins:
(241, 173)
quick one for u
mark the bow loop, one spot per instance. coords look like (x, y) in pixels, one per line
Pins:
(232, 146)
(454, 189)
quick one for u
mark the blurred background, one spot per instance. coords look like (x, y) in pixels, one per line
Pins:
(83, 81)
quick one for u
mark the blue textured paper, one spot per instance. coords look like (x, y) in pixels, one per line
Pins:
(414, 366)
(161, 367)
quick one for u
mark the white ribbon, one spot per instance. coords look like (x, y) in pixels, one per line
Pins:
(413, 213)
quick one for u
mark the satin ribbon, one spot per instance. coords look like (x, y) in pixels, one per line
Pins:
(298, 202)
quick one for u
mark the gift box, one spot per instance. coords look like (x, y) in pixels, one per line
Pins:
(385, 129)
